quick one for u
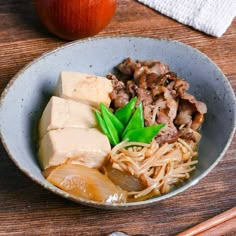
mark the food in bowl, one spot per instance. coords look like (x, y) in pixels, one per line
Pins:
(127, 137)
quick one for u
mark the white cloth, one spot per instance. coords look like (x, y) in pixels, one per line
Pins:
(210, 16)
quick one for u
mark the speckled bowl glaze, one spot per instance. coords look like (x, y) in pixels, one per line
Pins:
(25, 97)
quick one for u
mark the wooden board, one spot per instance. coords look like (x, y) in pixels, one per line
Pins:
(28, 209)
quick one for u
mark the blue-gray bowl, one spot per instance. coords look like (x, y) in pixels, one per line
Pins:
(26, 95)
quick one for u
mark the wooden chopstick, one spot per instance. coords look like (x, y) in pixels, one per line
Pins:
(228, 226)
(225, 221)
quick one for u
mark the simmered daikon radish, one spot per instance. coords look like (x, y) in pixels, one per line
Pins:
(87, 183)
(123, 179)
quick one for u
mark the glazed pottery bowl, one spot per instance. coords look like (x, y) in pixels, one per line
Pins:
(26, 95)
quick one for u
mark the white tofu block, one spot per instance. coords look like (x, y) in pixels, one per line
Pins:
(87, 147)
(90, 89)
(61, 113)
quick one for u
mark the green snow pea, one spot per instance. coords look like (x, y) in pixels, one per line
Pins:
(136, 121)
(144, 135)
(124, 113)
(102, 125)
(108, 115)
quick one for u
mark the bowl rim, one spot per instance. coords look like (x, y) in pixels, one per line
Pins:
(129, 205)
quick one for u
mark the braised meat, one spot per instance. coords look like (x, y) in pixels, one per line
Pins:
(164, 97)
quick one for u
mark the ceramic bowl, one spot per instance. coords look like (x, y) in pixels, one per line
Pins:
(26, 95)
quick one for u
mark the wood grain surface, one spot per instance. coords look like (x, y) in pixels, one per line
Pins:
(28, 209)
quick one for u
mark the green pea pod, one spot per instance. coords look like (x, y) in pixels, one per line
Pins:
(116, 123)
(114, 134)
(136, 121)
(103, 126)
(124, 113)
(144, 135)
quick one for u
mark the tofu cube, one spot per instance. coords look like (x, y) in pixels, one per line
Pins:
(90, 89)
(87, 147)
(61, 113)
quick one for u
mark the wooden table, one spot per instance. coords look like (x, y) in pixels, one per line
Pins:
(28, 209)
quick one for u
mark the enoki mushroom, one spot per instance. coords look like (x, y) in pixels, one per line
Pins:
(157, 168)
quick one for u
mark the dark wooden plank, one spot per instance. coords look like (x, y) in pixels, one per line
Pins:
(28, 209)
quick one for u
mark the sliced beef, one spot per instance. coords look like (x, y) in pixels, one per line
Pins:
(191, 112)
(200, 106)
(155, 67)
(144, 96)
(138, 72)
(189, 134)
(127, 67)
(181, 86)
(164, 97)
(149, 117)
(132, 88)
(120, 95)
(169, 133)
(154, 79)
(185, 113)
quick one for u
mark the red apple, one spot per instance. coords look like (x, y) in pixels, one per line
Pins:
(73, 19)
